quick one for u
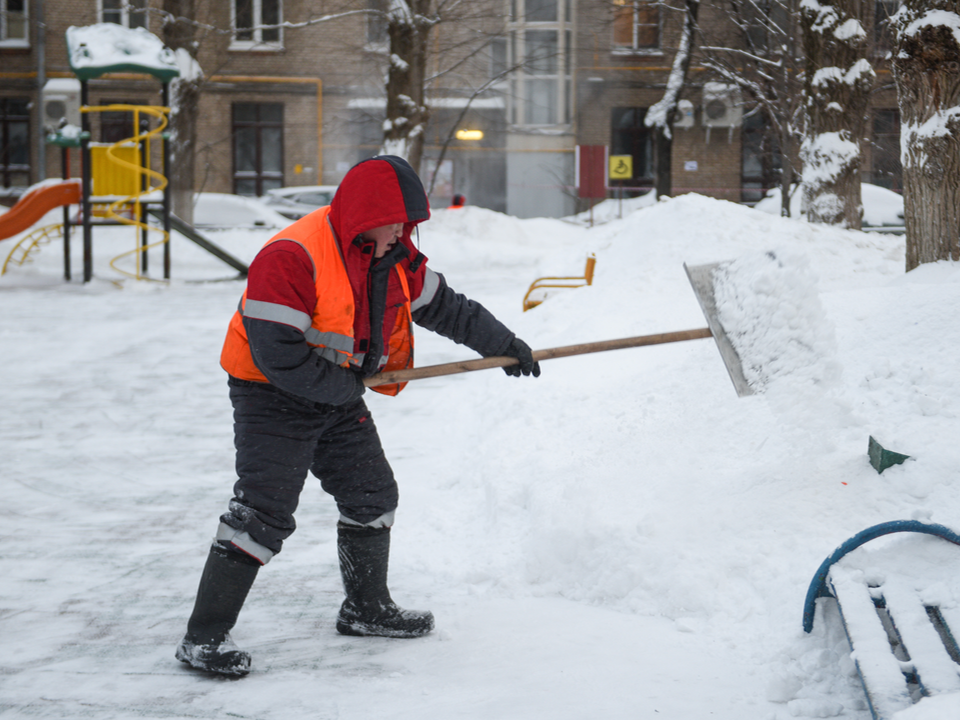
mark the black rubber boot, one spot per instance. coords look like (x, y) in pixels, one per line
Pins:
(226, 580)
(369, 610)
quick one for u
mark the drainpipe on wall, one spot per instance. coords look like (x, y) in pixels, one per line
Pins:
(41, 81)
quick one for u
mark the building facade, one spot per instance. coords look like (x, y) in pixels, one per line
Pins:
(294, 95)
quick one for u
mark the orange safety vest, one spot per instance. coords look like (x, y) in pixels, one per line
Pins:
(331, 329)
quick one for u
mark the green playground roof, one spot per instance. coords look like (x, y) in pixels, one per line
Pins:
(94, 50)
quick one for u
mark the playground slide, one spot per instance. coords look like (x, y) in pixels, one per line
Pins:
(37, 203)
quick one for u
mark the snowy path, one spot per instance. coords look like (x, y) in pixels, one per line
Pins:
(623, 537)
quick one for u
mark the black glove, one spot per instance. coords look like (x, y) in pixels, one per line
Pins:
(522, 352)
(354, 381)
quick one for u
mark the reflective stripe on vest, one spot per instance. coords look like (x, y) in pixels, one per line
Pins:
(332, 344)
(431, 283)
(274, 312)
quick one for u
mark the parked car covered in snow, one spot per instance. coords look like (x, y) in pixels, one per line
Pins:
(295, 202)
(222, 210)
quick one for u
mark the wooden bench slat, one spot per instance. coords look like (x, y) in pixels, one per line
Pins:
(938, 672)
(883, 679)
(951, 617)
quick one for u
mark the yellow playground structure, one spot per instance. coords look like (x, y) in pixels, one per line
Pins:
(119, 185)
(122, 171)
(118, 188)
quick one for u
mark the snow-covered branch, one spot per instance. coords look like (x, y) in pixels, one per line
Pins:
(737, 51)
(660, 114)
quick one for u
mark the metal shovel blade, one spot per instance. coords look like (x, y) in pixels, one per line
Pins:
(701, 278)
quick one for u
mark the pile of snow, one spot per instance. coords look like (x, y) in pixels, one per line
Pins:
(767, 303)
(622, 535)
(880, 206)
(613, 208)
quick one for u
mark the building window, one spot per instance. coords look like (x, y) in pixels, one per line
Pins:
(886, 168)
(884, 34)
(13, 23)
(498, 57)
(256, 24)
(257, 147)
(540, 10)
(761, 164)
(117, 125)
(540, 47)
(14, 142)
(636, 25)
(129, 13)
(377, 23)
(630, 136)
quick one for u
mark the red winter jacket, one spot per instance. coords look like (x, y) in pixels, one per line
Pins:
(376, 192)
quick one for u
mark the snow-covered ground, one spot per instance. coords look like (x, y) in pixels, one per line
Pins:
(623, 537)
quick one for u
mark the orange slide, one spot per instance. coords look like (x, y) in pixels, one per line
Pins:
(37, 203)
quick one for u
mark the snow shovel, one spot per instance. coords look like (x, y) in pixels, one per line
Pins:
(700, 278)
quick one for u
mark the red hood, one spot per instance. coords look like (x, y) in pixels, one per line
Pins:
(380, 191)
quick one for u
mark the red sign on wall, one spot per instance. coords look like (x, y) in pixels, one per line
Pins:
(592, 171)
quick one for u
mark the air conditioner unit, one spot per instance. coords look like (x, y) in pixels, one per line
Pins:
(684, 114)
(721, 105)
(61, 103)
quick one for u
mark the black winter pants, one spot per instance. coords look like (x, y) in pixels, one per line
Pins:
(279, 438)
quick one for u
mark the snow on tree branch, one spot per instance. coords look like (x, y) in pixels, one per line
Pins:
(942, 124)
(851, 30)
(825, 16)
(935, 18)
(659, 114)
(745, 53)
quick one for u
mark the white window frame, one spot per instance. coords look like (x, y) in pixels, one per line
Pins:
(633, 48)
(125, 9)
(257, 43)
(521, 79)
(8, 42)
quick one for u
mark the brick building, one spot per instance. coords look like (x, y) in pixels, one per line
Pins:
(291, 101)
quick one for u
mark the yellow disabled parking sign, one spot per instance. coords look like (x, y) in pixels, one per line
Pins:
(621, 167)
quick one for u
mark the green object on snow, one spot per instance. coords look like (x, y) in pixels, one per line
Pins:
(881, 458)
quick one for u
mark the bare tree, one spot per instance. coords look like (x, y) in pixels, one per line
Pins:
(179, 33)
(409, 23)
(766, 64)
(414, 63)
(927, 71)
(417, 63)
(837, 86)
(662, 115)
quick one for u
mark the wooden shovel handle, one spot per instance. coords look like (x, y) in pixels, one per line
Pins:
(463, 366)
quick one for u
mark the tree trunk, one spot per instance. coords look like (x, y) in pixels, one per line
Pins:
(178, 35)
(786, 175)
(782, 116)
(663, 114)
(837, 85)
(927, 71)
(407, 113)
(663, 161)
